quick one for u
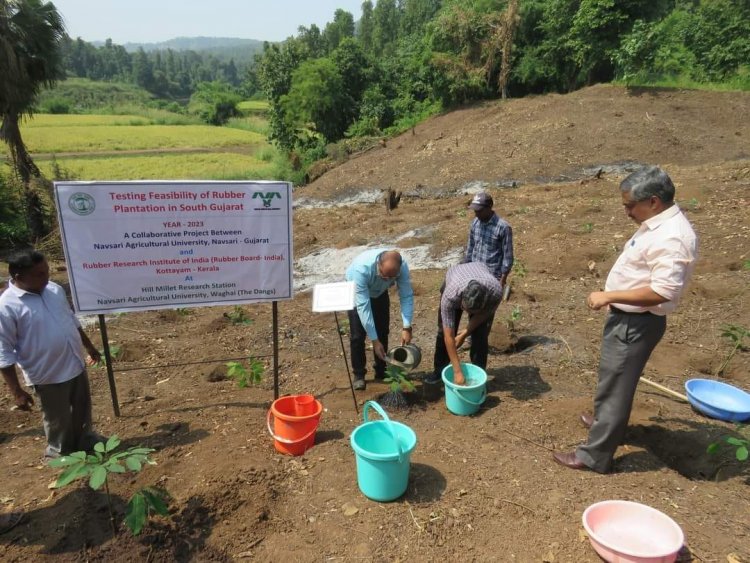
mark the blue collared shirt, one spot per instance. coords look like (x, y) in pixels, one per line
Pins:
(363, 271)
(491, 242)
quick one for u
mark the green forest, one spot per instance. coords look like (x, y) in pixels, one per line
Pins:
(404, 60)
(331, 91)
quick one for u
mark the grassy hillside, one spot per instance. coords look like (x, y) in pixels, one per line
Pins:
(80, 95)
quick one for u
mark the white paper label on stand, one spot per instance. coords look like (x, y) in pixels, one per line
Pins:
(330, 297)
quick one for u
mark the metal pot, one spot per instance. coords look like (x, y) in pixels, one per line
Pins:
(406, 357)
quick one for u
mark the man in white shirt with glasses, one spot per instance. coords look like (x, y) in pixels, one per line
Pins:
(643, 287)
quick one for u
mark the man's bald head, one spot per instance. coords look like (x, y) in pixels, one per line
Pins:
(389, 264)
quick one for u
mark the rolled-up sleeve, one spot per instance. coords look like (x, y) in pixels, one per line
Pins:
(448, 308)
(405, 295)
(669, 262)
(7, 341)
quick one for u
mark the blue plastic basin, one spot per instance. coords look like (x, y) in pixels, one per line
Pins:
(718, 400)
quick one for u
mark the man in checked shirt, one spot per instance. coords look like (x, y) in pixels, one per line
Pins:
(474, 289)
(490, 242)
(490, 239)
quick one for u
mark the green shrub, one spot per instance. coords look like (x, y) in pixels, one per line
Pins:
(55, 106)
(13, 229)
(214, 102)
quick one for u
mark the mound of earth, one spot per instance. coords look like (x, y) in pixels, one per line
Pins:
(553, 137)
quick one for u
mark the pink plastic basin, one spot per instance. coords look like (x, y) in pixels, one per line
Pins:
(622, 531)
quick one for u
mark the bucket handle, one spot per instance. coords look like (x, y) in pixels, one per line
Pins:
(286, 440)
(465, 400)
(384, 416)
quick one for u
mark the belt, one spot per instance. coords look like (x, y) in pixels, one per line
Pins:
(617, 311)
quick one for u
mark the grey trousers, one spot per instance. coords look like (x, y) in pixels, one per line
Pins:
(66, 413)
(627, 343)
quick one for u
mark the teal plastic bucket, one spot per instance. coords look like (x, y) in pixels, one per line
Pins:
(465, 400)
(382, 449)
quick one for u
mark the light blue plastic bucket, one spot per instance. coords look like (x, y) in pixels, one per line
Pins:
(465, 400)
(382, 449)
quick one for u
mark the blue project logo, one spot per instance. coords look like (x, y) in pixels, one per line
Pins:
(81, 203)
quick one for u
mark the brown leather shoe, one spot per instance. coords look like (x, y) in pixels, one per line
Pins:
(587, 420)
(569, 460)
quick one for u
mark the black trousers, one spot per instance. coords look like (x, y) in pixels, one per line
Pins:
(479, 344)
(381, 314)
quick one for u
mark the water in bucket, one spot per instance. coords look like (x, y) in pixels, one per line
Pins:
(295, 420)
(382, 449)
(466, 399)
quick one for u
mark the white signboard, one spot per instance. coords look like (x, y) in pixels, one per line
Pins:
(159, 245)
(329, 297)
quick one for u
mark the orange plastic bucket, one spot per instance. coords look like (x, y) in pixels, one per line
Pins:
(293, 432)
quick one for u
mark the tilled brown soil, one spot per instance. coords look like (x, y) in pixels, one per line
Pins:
(482, 488)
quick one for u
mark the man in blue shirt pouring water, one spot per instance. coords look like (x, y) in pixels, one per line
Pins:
(373, 273)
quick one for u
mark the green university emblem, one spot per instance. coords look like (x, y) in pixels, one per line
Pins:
(81, 204)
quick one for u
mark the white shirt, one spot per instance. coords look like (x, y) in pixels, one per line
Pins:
(39, 333)
(661, 255)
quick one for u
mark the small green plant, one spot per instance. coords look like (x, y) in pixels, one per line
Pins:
(104, 461)
(587, 227)
(114, 352)
(523, 210)
(519, 269)
(741, 446)
(515, 315)
(736, 334)
(344, 327)
(143, 503)
(461, 212)
(693, 204)
(245, 376)
(396, 378)
(746, 265)
(238, 316)
(183, 311)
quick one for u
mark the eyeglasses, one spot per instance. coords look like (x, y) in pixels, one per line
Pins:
(631, 204)
(381, 274)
